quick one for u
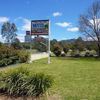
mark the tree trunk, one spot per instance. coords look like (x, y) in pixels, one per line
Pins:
(99, 49)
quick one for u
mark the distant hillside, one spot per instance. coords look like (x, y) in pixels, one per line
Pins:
(71, 40)
(68, 41)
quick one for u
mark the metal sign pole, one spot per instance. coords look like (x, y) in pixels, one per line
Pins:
(49, 44)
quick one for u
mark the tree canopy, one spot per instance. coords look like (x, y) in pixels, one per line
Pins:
(89, 23)
(8, 32)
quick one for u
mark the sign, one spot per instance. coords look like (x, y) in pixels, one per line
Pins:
(27, 32)
(39, 27)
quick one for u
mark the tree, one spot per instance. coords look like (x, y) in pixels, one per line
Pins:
(8, 31)
(89, 23)
(16, 40)
(65, 50)
(79, 44)
(52, 43)
(0, 44)
(40, 44)
(57, 49)
(16, 44)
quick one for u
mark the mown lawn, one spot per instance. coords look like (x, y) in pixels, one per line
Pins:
(75, 78)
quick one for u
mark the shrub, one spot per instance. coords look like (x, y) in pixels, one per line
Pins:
(65, 50)
(22, 82)
(16, 45)
(40, 44)
(69, 53)
(88, 54)
(23, 56)
(75, 53)
(57, 50)
(14, 81)
(38, 84)
(63, 54)
(93, 53)
(8, 56)
(5, 61)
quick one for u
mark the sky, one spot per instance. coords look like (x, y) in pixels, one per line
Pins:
(63, 15)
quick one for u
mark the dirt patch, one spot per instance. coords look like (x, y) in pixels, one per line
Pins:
(54, 97)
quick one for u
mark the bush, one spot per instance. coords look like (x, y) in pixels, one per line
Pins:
(63, 54)
(75, 53)
(40, 44)
(22, 82)
(69, 53)
(13, 80)
(9, 55)
(5, 61)
(16, 45)
(88, 54)
(65, 50)
(39, 84)
(57, 50)
(23, 56)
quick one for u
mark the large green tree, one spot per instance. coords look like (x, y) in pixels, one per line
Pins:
(8, 32)
(89, 23)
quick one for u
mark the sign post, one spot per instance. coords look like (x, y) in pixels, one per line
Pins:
(49, 45)
(41, 27)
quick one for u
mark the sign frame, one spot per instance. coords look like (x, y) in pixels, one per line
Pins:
(39, 33)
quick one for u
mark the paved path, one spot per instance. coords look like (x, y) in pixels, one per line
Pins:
(38, 56)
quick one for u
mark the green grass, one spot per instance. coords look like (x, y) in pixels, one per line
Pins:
(75, 79)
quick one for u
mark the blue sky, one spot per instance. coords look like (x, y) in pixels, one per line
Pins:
(63, 15)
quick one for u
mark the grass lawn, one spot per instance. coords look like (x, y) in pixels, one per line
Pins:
(75, 79)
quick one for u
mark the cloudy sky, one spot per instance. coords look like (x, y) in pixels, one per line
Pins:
(63, 15)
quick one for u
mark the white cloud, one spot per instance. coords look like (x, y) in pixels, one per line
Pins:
(3, 19)
(21, 37)
(27, 24)
(18, 18)
(97, 22)
(73, 29)
(55, 14)
(63, 24)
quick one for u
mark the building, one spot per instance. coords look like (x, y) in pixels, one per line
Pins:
(28, 37)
